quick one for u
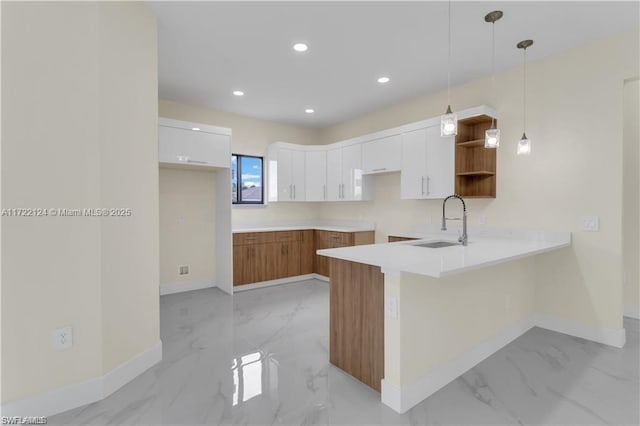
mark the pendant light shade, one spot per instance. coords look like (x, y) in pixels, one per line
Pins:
(449, 121)
(492, 135)
(492, 138)
(524, 144)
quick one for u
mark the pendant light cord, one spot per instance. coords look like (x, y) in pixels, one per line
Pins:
(524, 95)
(493, 67)
(449, 59)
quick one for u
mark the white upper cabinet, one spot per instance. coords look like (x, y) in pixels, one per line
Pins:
(334, 174)
(345, 181)
(382, 155)
(286, 174)
(179, 144)
(315, 175)
(428, 161)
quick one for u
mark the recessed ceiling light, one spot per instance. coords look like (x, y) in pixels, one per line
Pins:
(238, 92)
(309, 110)
(196, 129)
(300, 47)
(383, 80)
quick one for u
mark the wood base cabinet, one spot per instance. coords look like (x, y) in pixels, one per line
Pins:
(356, 320)
(264, 256)
(333, 239)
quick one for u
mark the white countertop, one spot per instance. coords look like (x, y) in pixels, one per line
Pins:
(321, 226)
(486, 247)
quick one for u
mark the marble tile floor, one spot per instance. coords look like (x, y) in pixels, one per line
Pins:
(260, 358)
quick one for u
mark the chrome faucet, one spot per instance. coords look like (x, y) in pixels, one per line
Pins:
(463, 238)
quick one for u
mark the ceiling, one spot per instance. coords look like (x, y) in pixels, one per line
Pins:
(209, 49)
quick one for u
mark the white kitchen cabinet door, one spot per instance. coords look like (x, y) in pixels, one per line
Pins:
(315, 175)
(334, 174)
(382, 155)
(284, 170)
(289, 174)
(428, 161)
(298, 175)
(413, 172)
(193, 148)
(352, 172)
(440, 164)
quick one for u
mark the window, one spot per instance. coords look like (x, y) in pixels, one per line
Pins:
(246, 179)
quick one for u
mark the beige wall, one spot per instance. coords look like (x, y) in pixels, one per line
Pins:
(129, 178)
(187, 225)
(575, 123)
(631, 192)
(251, 136)
(79, 130)
(438, 310)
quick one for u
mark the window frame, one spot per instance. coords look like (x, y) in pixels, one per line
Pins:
(239, 200)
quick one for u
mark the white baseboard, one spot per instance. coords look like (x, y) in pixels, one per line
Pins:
(185, 286)
(125, 372)
(79, 394)
(403, 398)
(606, 336)
(632, 311)
(280, 281)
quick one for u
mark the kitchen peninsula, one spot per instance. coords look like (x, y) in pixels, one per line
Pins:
(407, 318)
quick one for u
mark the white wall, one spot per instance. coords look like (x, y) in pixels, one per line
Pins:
(575, 123)
(631, 200)
(79, 130)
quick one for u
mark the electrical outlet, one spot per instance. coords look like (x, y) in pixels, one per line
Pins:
(482, 219)
(62, 338)
(183, 269)
(590, 223)
(391, 306)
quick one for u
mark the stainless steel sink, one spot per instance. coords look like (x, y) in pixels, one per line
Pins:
(437, 244)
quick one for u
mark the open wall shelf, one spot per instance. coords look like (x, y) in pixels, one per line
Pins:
(475, 164)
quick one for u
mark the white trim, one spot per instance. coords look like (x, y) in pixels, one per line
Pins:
(632, 311)
(289, 280)
(129, 370)
(606, 336)
(185, 286)
(402, 398)
(189, 125)
(429, 122)
(79, 394)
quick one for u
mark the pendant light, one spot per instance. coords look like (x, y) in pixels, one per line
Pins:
(492, 134)
(524, 144)
(449, 121)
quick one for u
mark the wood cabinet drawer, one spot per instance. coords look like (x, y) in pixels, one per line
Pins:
(286, 236)
(339, 238)
(253, 238)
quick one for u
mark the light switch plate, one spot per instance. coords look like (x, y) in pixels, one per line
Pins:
(590, 223)
(391, 306)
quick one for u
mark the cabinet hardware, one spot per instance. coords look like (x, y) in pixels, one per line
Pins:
(428, 185)
(324, 191)
(422, 184)
(290, 191)
(196, 161)
(294, 192)
(379, 170)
